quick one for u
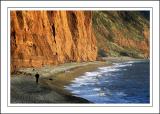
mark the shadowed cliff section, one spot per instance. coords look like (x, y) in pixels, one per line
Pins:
(51, 37)
(122, 33)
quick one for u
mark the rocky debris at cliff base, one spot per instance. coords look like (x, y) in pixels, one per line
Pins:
(49, 70)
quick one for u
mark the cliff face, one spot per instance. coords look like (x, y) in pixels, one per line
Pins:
(122, 33)
(51, 37)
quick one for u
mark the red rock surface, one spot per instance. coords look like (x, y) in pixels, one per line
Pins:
(51, 37)
(129, 42)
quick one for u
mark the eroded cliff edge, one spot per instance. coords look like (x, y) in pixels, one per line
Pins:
(51, 37)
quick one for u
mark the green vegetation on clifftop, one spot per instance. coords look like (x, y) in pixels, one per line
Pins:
(122, 33)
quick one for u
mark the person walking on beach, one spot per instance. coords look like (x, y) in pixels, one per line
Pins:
(37, 77)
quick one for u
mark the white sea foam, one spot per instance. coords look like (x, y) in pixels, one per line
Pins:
(69, 88)
(108, 69)
(130, 62)
(122, 65)
(102, 94)
(134, 61)
(106, 81)
(90, 95)
(96, 89)
(103, 68)
(75, 91)
(75, 85)
(91, 78)
(92, 73)
(121, 94)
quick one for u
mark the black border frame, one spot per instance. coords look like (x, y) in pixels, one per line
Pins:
(151, 10)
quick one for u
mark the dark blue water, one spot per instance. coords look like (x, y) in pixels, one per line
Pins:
(126, 82)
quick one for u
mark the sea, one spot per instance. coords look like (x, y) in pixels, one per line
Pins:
(126, 82)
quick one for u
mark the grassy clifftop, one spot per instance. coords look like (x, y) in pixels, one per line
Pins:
(122, 33)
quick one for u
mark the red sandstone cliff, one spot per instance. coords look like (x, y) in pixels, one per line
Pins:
(51, 37)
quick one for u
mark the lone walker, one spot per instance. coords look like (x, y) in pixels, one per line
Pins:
(37, 77)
